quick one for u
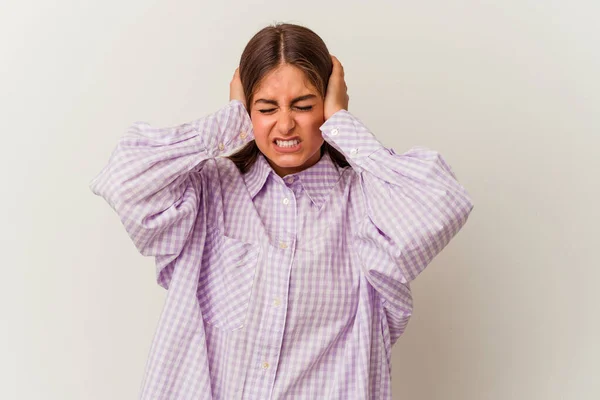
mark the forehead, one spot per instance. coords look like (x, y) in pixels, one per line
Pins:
(284, 81)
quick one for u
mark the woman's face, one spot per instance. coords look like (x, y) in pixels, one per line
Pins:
(286, 113)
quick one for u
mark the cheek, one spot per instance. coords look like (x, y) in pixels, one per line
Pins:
(311, 124)
(262, 126)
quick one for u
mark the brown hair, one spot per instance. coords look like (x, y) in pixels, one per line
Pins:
(271, 47)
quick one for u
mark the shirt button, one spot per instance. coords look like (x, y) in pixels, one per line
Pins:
(353, 151)
(286, 201)
(243, 135)
(221, 146)
(265, 365)
(283, 245)
(289, 179)
(277, 302)
(334, 132)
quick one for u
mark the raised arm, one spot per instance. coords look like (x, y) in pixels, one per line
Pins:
(153, 179)
(415, 206)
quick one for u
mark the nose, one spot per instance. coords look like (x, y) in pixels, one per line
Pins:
(286, 122)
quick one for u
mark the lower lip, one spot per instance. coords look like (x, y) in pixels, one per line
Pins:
(290, 149)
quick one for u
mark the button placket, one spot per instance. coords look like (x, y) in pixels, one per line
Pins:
(282, 244)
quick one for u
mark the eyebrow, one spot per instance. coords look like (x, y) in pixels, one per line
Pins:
(294, 101)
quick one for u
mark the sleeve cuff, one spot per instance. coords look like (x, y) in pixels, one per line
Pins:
(351, 137)
(235, 129)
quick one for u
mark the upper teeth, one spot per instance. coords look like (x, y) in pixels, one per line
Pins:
(287, 143)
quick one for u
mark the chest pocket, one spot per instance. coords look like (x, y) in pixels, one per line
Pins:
(226, 281)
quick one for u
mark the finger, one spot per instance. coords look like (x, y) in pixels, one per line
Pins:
(339, 65)
(338, 69)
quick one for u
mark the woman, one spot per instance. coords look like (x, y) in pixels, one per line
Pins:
(288, 263)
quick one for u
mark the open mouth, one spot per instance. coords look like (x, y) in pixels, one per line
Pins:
(291, 145)
(287, 143)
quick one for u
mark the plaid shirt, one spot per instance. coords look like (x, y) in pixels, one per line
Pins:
(293, 287)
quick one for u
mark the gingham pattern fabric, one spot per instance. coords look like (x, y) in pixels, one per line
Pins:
(278, 288)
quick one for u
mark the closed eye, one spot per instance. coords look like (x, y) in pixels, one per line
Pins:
(271, 110)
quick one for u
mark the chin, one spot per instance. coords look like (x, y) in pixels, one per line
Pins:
(289, 161)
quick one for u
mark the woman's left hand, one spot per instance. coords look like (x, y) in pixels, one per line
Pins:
(336, 98)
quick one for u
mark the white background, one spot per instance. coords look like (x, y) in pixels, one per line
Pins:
(508, 91)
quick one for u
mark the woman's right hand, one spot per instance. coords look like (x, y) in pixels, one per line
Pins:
(236, 90)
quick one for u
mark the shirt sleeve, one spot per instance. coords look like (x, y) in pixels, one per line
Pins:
(153, 177)
(415, 206)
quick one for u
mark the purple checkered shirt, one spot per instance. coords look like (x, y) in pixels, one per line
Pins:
(278, 288)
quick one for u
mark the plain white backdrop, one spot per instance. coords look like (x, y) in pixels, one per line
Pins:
(508, 92)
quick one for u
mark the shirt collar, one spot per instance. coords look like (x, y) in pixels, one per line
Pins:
(317, 181)
(257, 175)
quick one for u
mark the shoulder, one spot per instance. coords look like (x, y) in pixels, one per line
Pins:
(349, 177)
(226, 175)
(217, 175)
(226, 168)
(215, 169)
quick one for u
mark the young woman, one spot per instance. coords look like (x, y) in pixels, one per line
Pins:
(287, 263)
